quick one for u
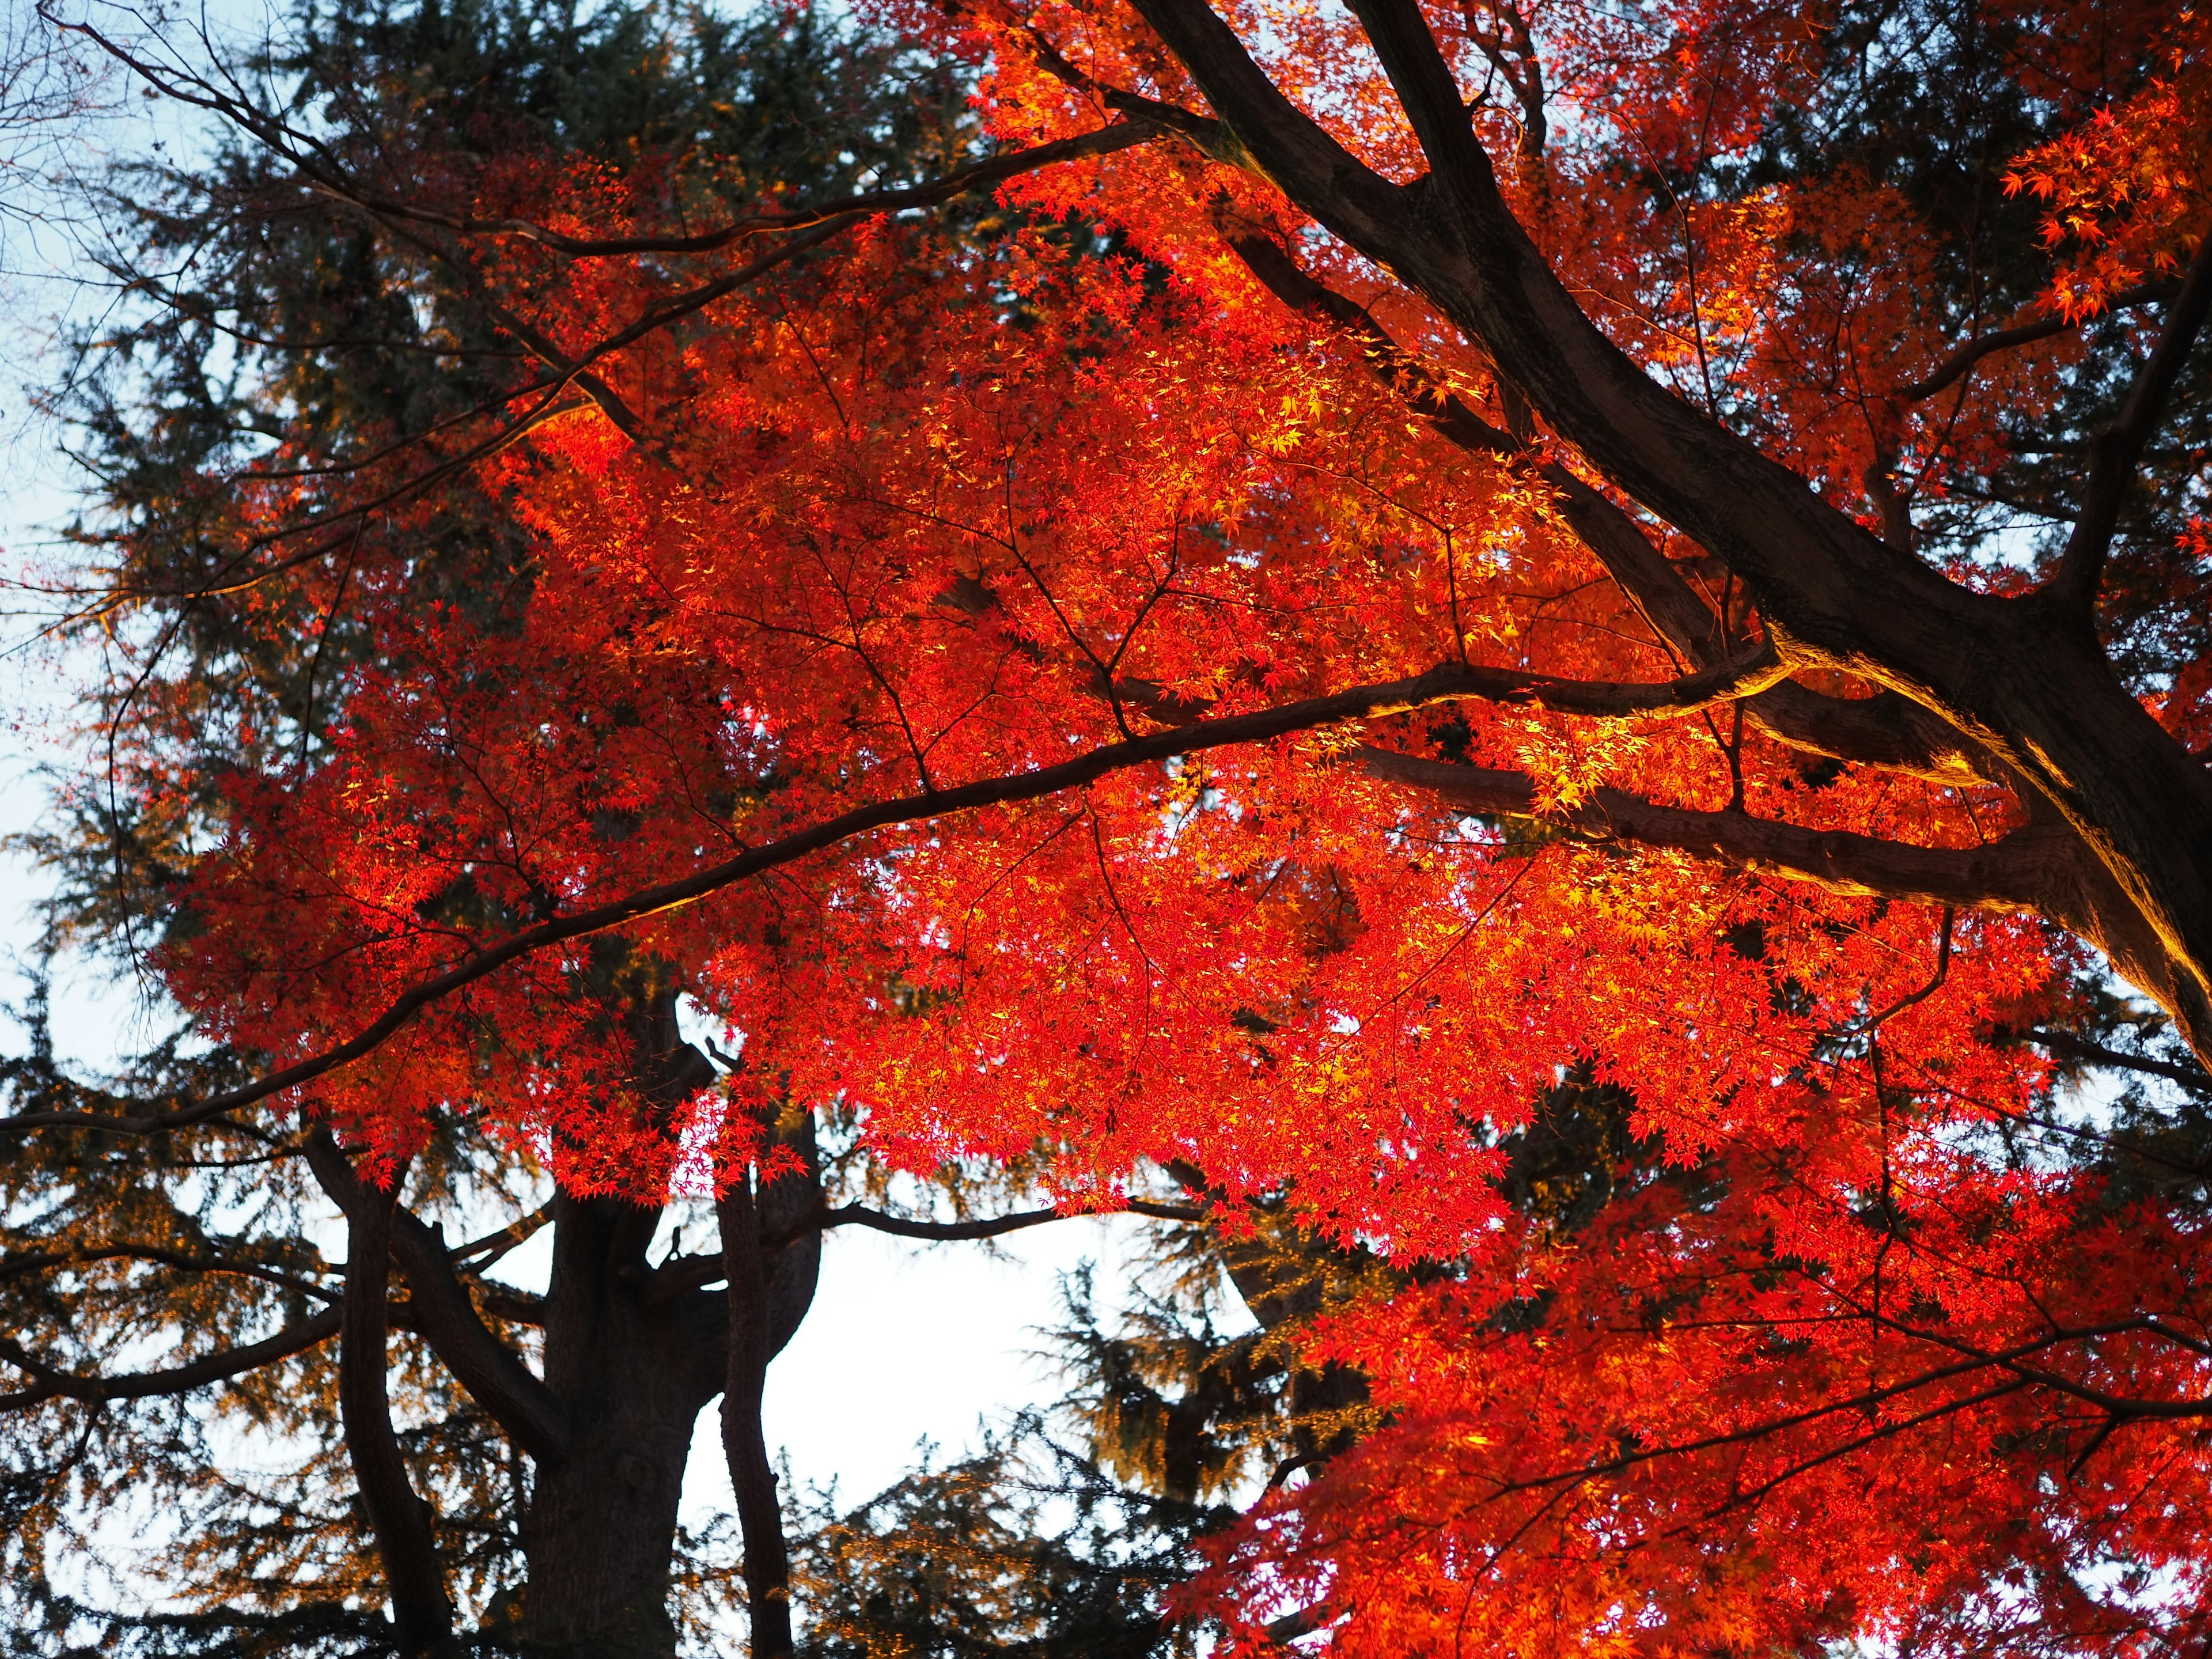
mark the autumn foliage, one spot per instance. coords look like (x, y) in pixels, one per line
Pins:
(1823, 1323)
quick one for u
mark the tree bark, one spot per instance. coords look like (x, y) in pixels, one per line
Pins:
(632, 1372)
(631, 1368)
(2021, 679)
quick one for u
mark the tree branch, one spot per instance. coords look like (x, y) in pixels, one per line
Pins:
(1447, 683)
(2006, 874)
(1955, 366)
(745, 1444)
(934, 193)
(2066, 1045)
(1885, 730)
(691, 1272)
(400, 1521)
(52, 1383)
(439, 1309)
(183, 1261)
(2115, 451)
(494, 1245)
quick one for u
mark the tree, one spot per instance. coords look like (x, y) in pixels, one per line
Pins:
(1564, 640)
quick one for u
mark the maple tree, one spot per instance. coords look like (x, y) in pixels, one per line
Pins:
(1562, 638)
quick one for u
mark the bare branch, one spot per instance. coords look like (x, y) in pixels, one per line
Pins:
(1955, 366)
(494, 1245)
(2067, 1046)
(935, 193)
(691, 1272)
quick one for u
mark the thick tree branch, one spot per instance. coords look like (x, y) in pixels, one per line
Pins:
(495, 1375)
(2116, 452)
(2041, 866)
(745, 1444)
(439, 1310)
(401, 1522)
(2043, 701)
(1886, 730)
(2067, 1046)
(1428, 92)
(2006, 874)
(49, 1382)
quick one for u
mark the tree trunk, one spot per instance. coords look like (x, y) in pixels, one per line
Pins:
(632, 1364)
(633, 1372)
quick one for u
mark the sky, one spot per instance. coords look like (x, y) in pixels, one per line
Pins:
(904, 1343)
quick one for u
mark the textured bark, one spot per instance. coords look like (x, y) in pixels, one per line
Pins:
(632, 1372)
(629, 1368)
(1886, 730)
(441, 1311)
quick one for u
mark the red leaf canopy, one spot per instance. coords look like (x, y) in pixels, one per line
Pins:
(1257, 736)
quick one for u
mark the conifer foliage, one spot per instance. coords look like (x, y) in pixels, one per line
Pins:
(1546, 667)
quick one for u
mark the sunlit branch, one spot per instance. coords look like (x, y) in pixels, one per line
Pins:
(2004, 874)
(1447, 683)
(1885, 730)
